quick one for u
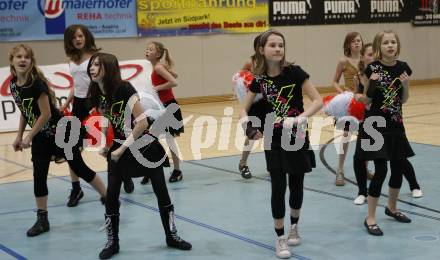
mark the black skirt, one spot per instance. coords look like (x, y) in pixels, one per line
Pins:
(178, 115)
(258, 109)
(290, 162)
(395, 146)
(130, 166)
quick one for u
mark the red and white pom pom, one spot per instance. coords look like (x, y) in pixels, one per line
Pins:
(241, 82)
(92, 140)
(343, 105)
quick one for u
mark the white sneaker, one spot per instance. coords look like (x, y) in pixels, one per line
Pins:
(281, 248)
(293, 239)
(360, 200)
(416, 193)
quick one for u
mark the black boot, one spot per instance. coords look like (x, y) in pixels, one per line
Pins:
(112, 227)
(173, 240)
(41, 226)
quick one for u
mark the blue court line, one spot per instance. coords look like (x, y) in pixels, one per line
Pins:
(328, 167)
(322, 192)
(219, 230)
(194, 222)
(11, 252)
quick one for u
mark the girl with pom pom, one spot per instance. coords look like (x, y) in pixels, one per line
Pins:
(282, 85)
(164, 80)
(382, 137)
(347, 66)
(135, 151)
(241, 82)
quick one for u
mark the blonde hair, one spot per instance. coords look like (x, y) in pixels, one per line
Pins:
(377, 52)
(34, 71)
(260, 60)
(163, 53)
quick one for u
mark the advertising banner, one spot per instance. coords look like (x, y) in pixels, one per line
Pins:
(188, 17)
(319, 12)
(426, 12)
(26, 20)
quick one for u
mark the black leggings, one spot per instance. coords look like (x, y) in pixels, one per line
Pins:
(41, 170)
(114, 188)
(279, 185)
(380, 174)
(398, 167)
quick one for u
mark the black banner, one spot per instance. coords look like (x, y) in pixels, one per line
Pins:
(388, 11)
(426, 12)
(315, 12)
(294, 12)
(342, 11)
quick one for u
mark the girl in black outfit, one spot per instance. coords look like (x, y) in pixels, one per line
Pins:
(282, 85)
(118, 101)
(386, 90)
(36, 102)
(362, 173)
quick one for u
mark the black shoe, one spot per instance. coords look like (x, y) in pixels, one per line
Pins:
(245, 172)
(176, 242)
(373, 229)
(145, 180)
(74, 198)
(41, 226)
(399, 216)
(176, 176)
(128, 185)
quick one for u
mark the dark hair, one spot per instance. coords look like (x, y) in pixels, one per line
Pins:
(253, 57)
(111, 80)
(73, 53)
(361, 65)
(347, 42)
(260, 61)
(34, 71)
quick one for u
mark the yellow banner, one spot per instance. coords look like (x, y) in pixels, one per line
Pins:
(184, 17)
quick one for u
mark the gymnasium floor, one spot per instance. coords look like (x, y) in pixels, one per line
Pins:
(223, 215)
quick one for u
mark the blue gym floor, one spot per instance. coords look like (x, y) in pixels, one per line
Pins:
(227, 217)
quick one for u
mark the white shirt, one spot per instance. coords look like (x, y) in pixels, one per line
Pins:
(81, 80)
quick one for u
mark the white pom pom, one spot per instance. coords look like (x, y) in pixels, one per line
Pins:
(151, 103)
(338, 106)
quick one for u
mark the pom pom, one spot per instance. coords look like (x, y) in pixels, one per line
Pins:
(92, 140)
(67, 112)
(338, 105)
(151, 103)
(327, 99)
(356, 109)
(241, 82)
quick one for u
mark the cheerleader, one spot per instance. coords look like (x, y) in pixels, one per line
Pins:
(241, 81)
(386, 91)
(36, 101)
(347, 66)
(282, 85)
(118, 101)
(79, 46)
(164, 80)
